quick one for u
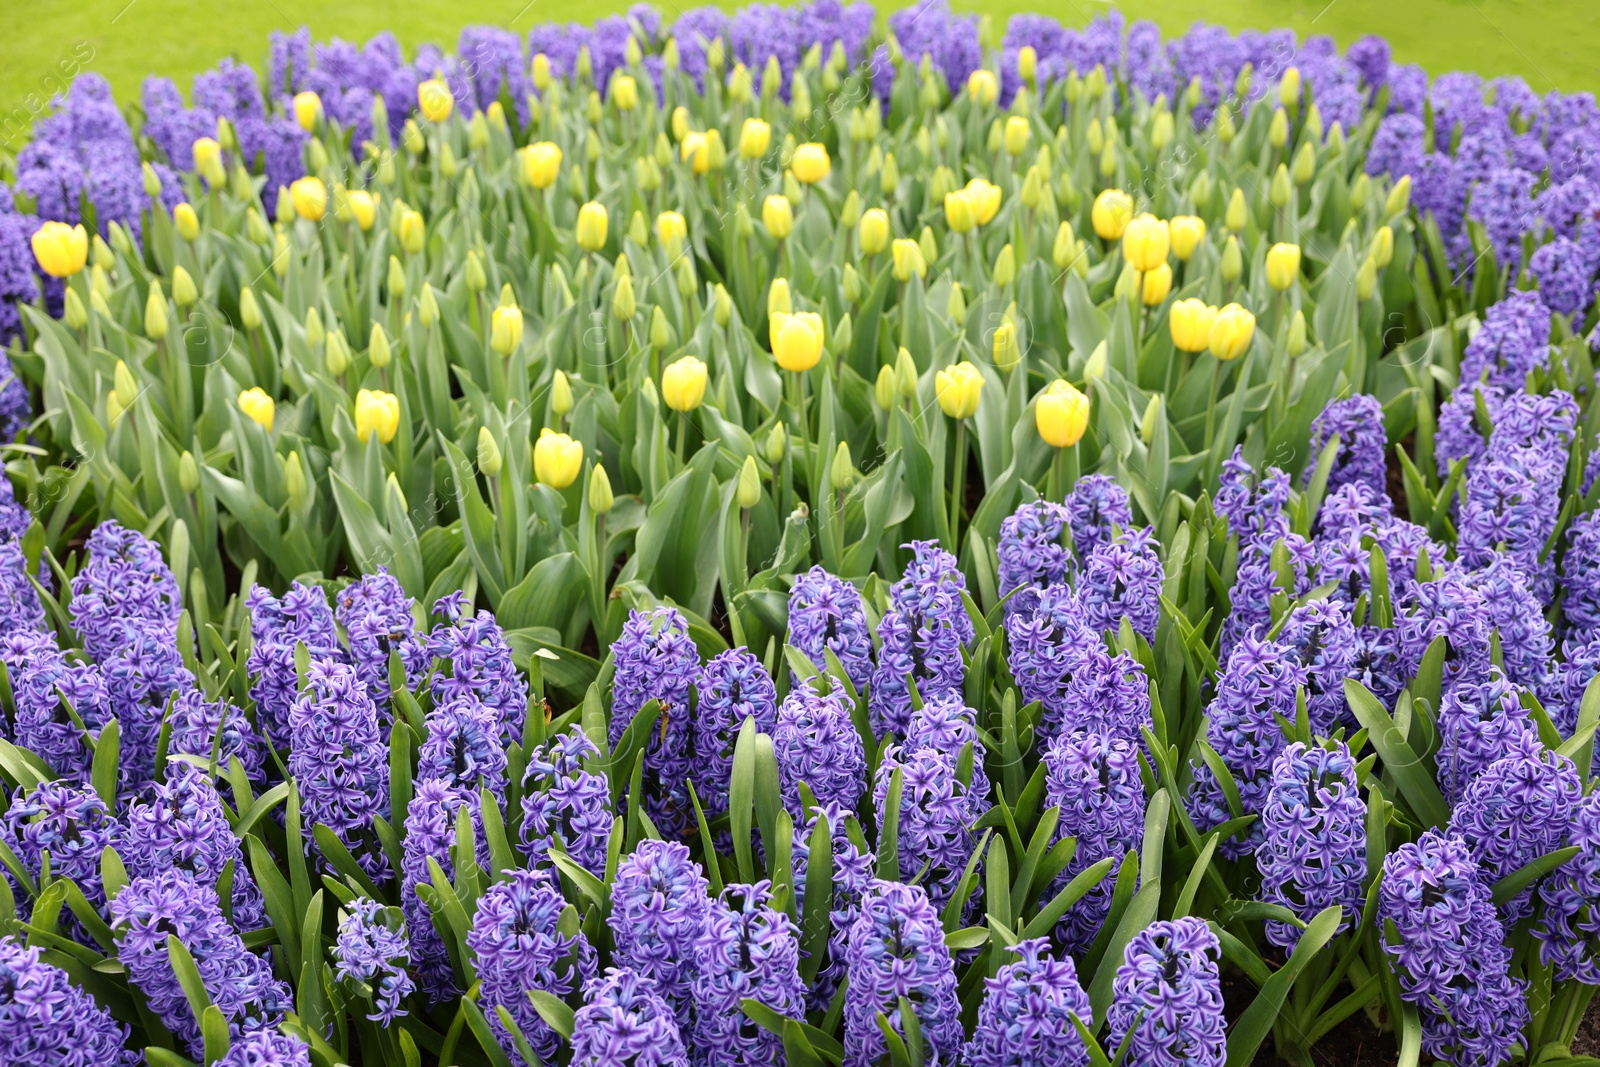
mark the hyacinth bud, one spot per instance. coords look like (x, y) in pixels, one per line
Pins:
(183, 289)
(777, 444)
(843, 470)
(905, 374)
(748, 491)
(294, 479)
(427, 306)
(1005, 267)
(1232, 260)
(601, 499)
(489, 458)
(1399, 197)
(1007, 352)
(1279, 191)
(1305, 164)
(883, 389)
(1278, 131)
(957, 308)
(1296, 341)
(1367, 279)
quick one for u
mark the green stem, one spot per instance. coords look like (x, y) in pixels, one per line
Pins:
(1211, 402)
(958, 484)
(683, 432)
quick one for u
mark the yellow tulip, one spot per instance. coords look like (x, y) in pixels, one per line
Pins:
(1061, 414)
(1190, 322)
(61, 250)
(1156, 285)
(592, 222)
(185, 221)
(958, 389)
(541, 71)
(625, 92)
(1027, 63)
(683, 384)
(908, 259)
(779, 298)
(208, 161)
(363, 208)
(755, 137)
(1232, 331)
(307, 110)
(413, 232)
(505, 329)
(671, 229)
(985, 200)
(873, 231)
(1283, 265)
(541, 164)
(259, 406)
(310, 198)
(1186, 231)
(694, 151)
(982, 88)
(811, 163)
(557, 459)
(1145, 242)
(959, 214)
(434, 100)
(1113, 209)
(778, 216)
(1017, 134)
(378, 413)
(796, 340)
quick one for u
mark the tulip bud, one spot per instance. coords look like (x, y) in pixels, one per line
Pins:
(777, 214)
(1296, 341)
(873, 231)
(883, 388)
(155, 314)
(505, 330)
(294, 479)
(850, 284)
(1367, 279)
(1027, 63)
(843, 471)
(560, 394)
(622, 302)
(1161, 130)
(1065, 247)
(1005, 267)
(280, 254)
(957, 308)
(1382, 252)
(889, 179)
(722, 309)
(1007, 352)
(1096, 138)
(1399, 197)
(1278, 131)
(490, 460)
(1279, 191)
(1305, 164)
(660, 330)
(622, 268)
(928, 247)
(601, 500)
(1232, 260)
(1360, 190)
(778, 297)
(1017, 134)
(908, 259)
(1032, 188)
(1283, 265)
(1061, 413)
(638, 231)
(905, 374)
(185, 221)
(777, 443)
(427, 306)
(1335, 137)
(591, 229)
(183, 289)
(337, 356)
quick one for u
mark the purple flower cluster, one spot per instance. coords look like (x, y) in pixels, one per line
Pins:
(949, 41)
(1094, 780)
(430, 836)
(1122, 580)
(1167, 996)
(625, 1020)
(1251, 502)
(464, 747)
(267, 1048)
(47, 1021)
(747, 949)
(1449, 951)
(1321, 635)
(124, 581)
(922, 638)
(659, 905)
(562, 801)
(84, 150)
(18, 286)
(1313, 851)
(825, 614)
(371, 953)
(478, 665)
(71, 828)
(1026, 1016)
(1108, 694)
(657, 660)
(1047, 645)
(897, 954)
(276, 628)
(1450, 607)
(20, 609)
(940, 800)
(731, 688)
(142, 675)
(1565, 273)
(172, 904)
(377, 619)
(1096, 507)
(1358, 423)
(201, 727)
(1034, 553)
(1479, 722)
(817, 743)
(853, 873)
(1570, 922)
(1513, 340)
(338, 762)
(1580, 574)
(41, 675)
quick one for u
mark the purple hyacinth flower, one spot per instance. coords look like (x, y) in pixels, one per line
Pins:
(566, 798)
(1122, 580)
(371, 953)
(825, 614)
(747, 949)
(377, 618)
(1479, 722)
(625, 1020)
(46, 1020)
(41, 675)
(1514, 339)
(938, 805)
(1096, 507)
(201, 727)
(816, 742)
(922, 637)
(657, 660)
(1358, 423)
(431, 836)
(732, 687)
(1313, 851)
(659, 905)
(897, 951)
(277, 627)
(478, 665)
(1047, 646)
(267, 1048)
(124, 579)
(1026, 1016)
(1094, 780)
(69, 827)
(1034, 553)
(1321, 635)
(1569, 925)
(1166, 998)
(338, 762)
(463, 747)
(1252, 503)
(853, 872)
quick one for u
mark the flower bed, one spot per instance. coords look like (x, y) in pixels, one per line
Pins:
(756, 538)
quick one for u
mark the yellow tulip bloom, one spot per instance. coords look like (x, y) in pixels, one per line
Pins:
(1145, 242)
(1113, 209)
(796, 339)
(434, 100)
(1232, 331)
(1190, 322)
(557, 459)
(258, 406)
(541, 164)
(310, 198)
(378, 413)
(811, 163)
(1061, 414)
(958, 389)
(683, 384)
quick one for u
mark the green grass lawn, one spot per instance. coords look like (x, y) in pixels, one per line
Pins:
(1551, 43)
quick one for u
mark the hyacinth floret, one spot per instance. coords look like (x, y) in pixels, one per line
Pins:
(1479, 722)
(1046, 647)
(659, 904)
(1313, 851)
(1358, 423)
(1096, 508)
(825, 613)
(464, 747)
(921, 637)
(123, 579)
(1108, 694)
(1513, 340)
(142, 675)
(853, 872)
(1568, 928)
(1321, 635)
(147, 912)
(657, 660)
(624, 1019)
(1449, 952)
(747, 949)
(1034, 552)
(338, 762)
(371, 951)
(478, 663)
(1252, 502)
(431, 820)
(816, 742)
(20, 609)
(1026, 1016)
(47, 1021)
(41, 675)
(939, 801)
(564, 801)
(897, 951)
(267, 1048)
(1448, 606)
(1122, 580)
(73, 826)
(1516, 614)
(277, 628)
(1166, 999)
(1094, 780)
(1580, 573)
(201, 727)
(732, 687)
(378, 621)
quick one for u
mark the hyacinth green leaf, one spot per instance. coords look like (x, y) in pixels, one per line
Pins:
(712, 868)
(1138, 914)
(1246, 1034)
(188, 976)
(103, 769)
(742, 797)
(1410, 772)
(816, 1045)
(518, 1038)
(889, 831)
(339, 856)
(479, 1025)
(1508, 888)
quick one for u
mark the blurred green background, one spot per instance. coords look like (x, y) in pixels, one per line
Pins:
(1551, 43)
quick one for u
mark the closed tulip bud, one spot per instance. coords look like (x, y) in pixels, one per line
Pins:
(208, 161)
(1382, 252)
(1296, 341)
(776, 445)
(1127, 286)
(505, 333)
(1065, 248)
(889, 178)
(1161, 130)
(473, 274)
(622, 268)
(337, 357)
(873, 231)
(413, 232)
(958, 389)
(73, 313)
(741, 84)
(1095, 137)
(1094, 85)
(796, 340)
(310, 198)
(1112, 211)
(716, 154)
(958, 211)
(434, 100)
(908, 259)
(1152, 414)
(280, 254)
(791, 188)
(1108, 160)
(155, 313)
(1335, 137)
(1200, 189)
(625, 91)
(957, 308)
(1032, 188)
(1232, 260)
(660, 329)
(557, 459)
(778, 216)
(99, 281)
(150, 179)
(683, 384)
(1305, 164)
(982, 88)
(363, 208)
(560, 394)
(583, 66)
(61, 250)
(601, 500)
(1145, 242)
(126, 389)
(591, 231)
(1190, 322)
(114, 409)
(722, 305)
(1238, 214)
(1289, 87)
(850, 213)
(941, 185)
(779, 301)
(1005, 267)
(490, 461)
(1279, 191)
(183, 288)
(411, 138)
(1007, 352)
(256, 404)
(1399, 197)
(307, 110)
(985, 198)
(671, 231)
(1360, 190)
(377, 413)
(843, 471)
(1156, 284)
(185, 221)
(1223, 122)
(256, 227)
(541, 71)
(883, 392)
(1017, 134)
(1231, 332)
(755, 137)
(622, 301)
(427, 306)
(1074, 87)
(1367, 279)
(1283, 265)
(315, 333)
(1061, 414)
(638, 232)
(811, 163)
(850, 284)
(396, 282)
(1187, 231)
(928, 246)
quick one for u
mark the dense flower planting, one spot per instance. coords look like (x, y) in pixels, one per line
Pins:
(791, 537)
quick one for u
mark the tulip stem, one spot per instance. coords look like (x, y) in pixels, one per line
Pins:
(683, 432)
(1053, 488)
(1211, 403)
(958, 483)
